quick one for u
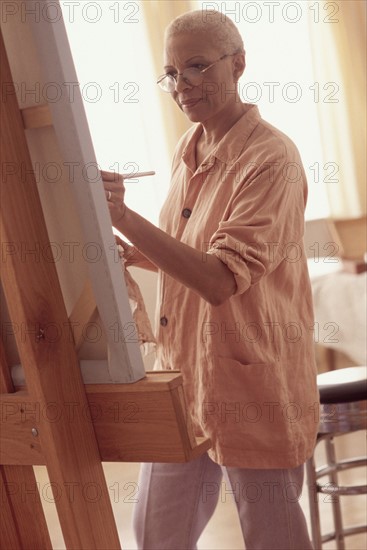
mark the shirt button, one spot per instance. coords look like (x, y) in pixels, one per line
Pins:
(163, 321)
(186, 212)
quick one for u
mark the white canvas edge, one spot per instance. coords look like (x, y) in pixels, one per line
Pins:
(72, 131)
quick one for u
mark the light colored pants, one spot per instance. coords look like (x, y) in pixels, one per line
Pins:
(176, 501)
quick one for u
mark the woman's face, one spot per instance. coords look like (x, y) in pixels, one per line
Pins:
(217, 92)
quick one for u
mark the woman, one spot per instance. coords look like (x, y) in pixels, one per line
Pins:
(234, 308)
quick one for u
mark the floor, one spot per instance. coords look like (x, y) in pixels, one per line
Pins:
(223, 531)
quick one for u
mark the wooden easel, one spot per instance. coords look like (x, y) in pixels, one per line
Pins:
(143, 421)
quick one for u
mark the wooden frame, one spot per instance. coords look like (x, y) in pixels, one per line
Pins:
(142, 420)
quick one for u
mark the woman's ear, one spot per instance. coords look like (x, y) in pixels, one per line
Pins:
(238, 65)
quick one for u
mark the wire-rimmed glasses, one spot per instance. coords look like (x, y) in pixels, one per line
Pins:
(192, 76)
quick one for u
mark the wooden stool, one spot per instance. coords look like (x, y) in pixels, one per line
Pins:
(343, 409)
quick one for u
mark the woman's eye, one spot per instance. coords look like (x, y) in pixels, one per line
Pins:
(199, 66)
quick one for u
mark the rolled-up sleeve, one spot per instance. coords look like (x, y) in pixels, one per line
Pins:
(264, 221)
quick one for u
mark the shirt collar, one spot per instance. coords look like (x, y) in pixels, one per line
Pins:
(232, 143)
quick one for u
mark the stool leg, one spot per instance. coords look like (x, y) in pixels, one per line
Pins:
(313, 500)
(333, 476)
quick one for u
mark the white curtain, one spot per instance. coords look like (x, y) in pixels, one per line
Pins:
(158, 14)
(338, 41)
(114, 64)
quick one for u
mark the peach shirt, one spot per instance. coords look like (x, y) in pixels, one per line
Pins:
(248, 365)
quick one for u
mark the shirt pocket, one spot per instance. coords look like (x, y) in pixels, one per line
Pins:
(247, 382)
(247, 405)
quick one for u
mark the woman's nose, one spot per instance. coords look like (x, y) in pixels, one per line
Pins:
(181, 83)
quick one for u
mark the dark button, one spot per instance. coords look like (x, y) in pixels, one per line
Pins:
(163, 321)
(186, 212)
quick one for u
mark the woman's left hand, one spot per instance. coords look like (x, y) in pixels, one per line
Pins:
(115, 194)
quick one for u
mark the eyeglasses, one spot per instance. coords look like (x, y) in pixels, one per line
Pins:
(192, 76)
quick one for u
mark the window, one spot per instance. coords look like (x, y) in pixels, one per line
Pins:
(118, 85)
(279, 79)
(115, 70)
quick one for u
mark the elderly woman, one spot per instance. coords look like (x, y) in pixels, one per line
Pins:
(234, 307)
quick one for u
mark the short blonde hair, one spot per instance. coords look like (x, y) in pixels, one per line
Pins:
(212, 22)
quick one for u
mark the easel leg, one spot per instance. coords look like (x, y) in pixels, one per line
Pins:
(23, 524)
